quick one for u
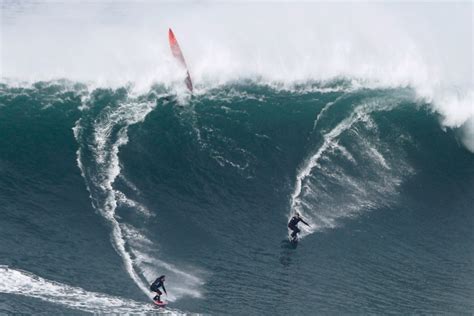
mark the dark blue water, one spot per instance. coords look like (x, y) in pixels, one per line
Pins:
(102, 190)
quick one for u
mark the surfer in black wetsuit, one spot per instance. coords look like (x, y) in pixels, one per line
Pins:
(293, 225)
(155, 287)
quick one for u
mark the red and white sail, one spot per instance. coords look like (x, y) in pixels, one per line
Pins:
(178, 54)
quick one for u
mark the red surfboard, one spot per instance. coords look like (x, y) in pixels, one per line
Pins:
(160, 303)
(178, 54)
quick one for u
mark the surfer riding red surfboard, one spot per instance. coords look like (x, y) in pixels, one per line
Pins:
(155, 287)
(178, 54)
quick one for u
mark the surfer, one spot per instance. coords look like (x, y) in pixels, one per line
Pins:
(293, 225)
(155, 287)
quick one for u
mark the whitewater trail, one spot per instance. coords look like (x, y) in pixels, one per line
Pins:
(109, 133)
(305, 171)
(324, 110)
(366, 193)
(19, 282)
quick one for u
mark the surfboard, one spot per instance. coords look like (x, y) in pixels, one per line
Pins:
(178, 55)
(160, 303)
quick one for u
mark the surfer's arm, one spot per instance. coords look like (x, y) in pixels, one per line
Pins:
(164, 290)
(305, 223)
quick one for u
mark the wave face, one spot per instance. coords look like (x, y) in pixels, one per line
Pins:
(104, 189)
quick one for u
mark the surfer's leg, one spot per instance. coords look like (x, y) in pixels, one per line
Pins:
(158, 294)
(295, 232)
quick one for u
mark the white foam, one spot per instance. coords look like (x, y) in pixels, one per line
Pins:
(123, 199)
(129, 184)
(424, 45)
(378, 156)
(361, 194)
(184, 283)
(129, 242)
(130, 113)
(345, 152)
(307, 168)
(467, 134)
(322, 112)
(19, 282)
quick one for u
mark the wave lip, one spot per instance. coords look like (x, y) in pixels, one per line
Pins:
(413, 45)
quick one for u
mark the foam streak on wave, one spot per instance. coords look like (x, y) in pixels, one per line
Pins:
(304, 182)
(305, 171)
(108, 174)
(99, 163)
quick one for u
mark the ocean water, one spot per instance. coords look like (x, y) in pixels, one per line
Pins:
(106, 185)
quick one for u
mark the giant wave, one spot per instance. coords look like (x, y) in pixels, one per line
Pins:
(177, 180)
(116, 174)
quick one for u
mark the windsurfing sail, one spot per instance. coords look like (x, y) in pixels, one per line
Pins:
(178, 54)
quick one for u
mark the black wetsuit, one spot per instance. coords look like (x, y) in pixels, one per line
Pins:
(293, 225)
(155, 287)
